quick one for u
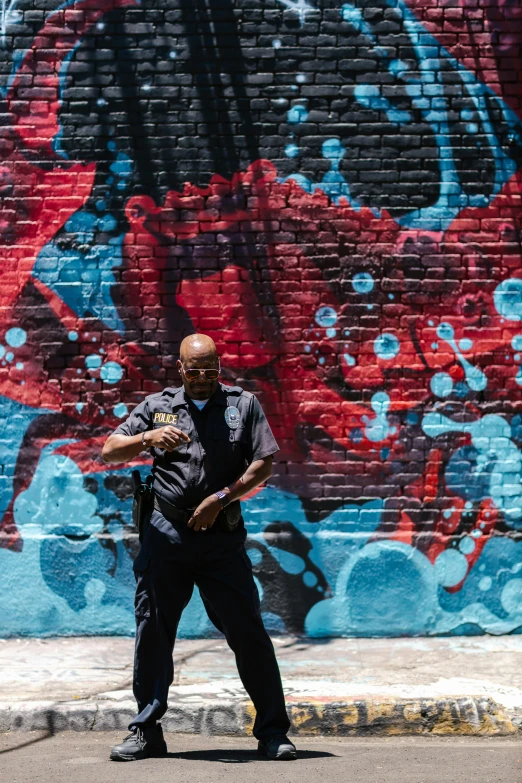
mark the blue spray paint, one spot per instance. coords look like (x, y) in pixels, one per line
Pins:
(325, 316)
(441, 384)
(363, 283)
(16, 337)
(508, 299)
(333, 183)
(378, 429)
(497, 454)
(475, 378)
(427, 92)
(386, 346)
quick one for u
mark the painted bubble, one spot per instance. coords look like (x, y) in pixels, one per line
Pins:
(475, 378)
(310, 579)
(386, 346)
(516, 342)
(16, 337)
(467, 545)
(19, 365)
(363, 283)
(450, 568)
(465, 344)
(120, 410)
(73, 336)
(331, 332)
(378, 429)
(276, 43)
(111, 372)
(2, 351)
(445, 331)
(441, 384)
(485, 583)
(325, 316)
(350, 360)
(297, 114)
(93, 361)
(9, 356)
(511, 596)
(79, 406)
(508, 299)
(332, 149)
(291, 150)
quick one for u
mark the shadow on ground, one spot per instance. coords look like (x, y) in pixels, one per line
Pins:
(231, 756)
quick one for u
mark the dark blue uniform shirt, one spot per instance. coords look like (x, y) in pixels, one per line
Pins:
(216, 455)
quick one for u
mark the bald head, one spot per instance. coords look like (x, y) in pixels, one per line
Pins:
(198, 352)
(197, 344)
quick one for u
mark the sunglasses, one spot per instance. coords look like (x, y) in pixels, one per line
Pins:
(193, 373)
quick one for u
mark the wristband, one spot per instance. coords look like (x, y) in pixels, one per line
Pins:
(143, 440)
(221, 496)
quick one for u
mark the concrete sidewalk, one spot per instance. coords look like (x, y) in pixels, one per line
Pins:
(453, 685)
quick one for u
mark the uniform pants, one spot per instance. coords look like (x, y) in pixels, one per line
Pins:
(172, 559)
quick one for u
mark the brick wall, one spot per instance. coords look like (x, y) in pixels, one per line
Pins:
(332, 192)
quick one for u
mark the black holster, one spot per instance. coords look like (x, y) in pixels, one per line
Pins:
(143, 504)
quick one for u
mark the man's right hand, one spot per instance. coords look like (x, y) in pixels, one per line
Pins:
(168, 438)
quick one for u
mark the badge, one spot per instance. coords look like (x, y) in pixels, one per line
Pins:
(232, 417)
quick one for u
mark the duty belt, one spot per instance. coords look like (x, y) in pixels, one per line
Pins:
(168, 510)
(227, 519)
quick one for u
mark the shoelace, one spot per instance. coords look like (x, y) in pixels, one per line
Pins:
(138, 733)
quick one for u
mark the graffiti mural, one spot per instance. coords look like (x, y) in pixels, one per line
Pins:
(333, 192)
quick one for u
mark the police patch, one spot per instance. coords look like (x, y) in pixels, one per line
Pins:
(165, 418)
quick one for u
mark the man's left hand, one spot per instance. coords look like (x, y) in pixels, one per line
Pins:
(205, 514)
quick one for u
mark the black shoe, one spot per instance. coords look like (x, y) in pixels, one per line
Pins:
(142, 743)
(277, 748)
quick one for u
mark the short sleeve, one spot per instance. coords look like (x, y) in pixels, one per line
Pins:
(138, 421)
(262, 441)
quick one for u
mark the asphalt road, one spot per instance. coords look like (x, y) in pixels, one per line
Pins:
(83, 758)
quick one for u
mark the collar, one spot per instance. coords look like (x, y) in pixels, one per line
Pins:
(180, 398)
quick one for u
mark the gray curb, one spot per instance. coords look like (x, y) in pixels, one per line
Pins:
(449, 716)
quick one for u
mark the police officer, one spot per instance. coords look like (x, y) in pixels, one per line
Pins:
(211, 445)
